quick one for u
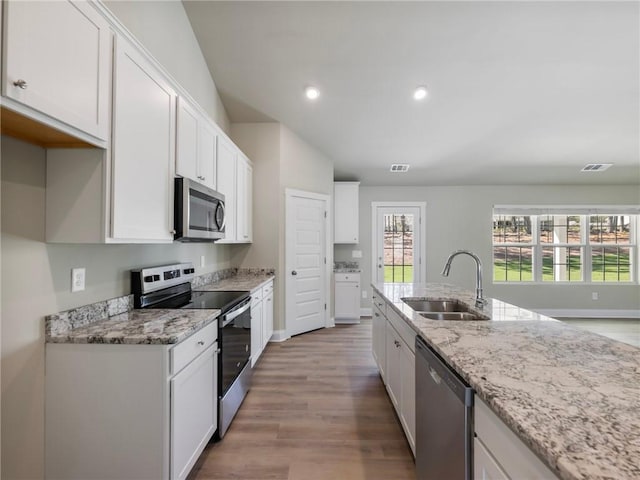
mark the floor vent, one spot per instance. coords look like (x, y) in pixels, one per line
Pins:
(596, 167)
(399, 167)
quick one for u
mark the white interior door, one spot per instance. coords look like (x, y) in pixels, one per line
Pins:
(398, 246)
(306, 257)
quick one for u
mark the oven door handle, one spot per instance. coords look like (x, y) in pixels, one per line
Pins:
(229, 317)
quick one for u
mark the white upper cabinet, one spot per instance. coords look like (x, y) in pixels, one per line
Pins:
(227, 185)
(57, 59)
(143, 153)
(207, 141)
(244, 215)
(235, 182)
(346, 219)
(195, 145)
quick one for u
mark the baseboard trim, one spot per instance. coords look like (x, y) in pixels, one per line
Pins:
(347, 321)
(588, 313)
(366, 312)
(279, 336)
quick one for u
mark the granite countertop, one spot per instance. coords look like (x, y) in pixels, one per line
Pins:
(239, 283)
(570, 395)
(149, 326)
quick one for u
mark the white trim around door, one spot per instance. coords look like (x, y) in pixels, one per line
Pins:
(420, 273)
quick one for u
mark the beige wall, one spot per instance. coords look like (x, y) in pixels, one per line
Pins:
(36, 282)
(36, 276)
(460, 218)
(164, 29)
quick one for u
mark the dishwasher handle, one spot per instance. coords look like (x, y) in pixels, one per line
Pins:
(443, 375)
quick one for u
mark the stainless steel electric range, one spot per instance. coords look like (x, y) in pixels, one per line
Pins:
(169, 286)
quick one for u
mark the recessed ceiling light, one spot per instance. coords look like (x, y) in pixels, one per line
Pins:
(420, 93)
(311, 93)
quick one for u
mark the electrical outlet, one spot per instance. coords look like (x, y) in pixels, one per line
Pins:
(364, 294)
(594, 296)
(202, 260)
(356, 253)
(77, 279)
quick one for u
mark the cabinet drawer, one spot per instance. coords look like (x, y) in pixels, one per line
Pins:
(184, 352)
(267, 289)
(379, 303)
(256, 297)
(407, 334)
(513, 456)
(347, 277)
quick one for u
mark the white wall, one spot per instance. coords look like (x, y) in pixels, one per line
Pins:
(164, 29)
(460, 218)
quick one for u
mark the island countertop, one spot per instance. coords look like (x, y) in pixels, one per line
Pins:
(573, 397)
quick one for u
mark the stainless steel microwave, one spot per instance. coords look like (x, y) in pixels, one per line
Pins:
(199, 214)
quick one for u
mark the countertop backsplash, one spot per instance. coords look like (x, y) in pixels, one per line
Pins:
(346, 267)
(63, 322)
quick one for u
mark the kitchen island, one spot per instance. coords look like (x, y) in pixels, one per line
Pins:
(571, 396)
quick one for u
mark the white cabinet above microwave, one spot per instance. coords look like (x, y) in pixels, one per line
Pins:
(196, 138)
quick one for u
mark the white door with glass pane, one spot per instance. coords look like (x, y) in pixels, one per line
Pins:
(397, 248)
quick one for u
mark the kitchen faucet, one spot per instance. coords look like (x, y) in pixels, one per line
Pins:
(480, 301)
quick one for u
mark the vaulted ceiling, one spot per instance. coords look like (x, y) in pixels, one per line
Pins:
(519, 92)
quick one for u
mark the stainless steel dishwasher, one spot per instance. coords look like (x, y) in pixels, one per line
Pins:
(444, 419)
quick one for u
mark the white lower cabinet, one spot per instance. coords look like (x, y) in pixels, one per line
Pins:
(194, 412)
(347, 297)
(379, 335)
(256, 326)
(485, 466)
(407, 409)
(498, 453)
(267, 313)
(261, 320)
(400, 371)
(129, 411)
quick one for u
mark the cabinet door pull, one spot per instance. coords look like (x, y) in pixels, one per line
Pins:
(20, 83)
(200, 342)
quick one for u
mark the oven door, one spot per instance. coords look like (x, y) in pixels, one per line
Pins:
(235, 345)
(199, 212)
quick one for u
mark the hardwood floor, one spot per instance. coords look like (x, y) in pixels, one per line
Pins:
(317, 410)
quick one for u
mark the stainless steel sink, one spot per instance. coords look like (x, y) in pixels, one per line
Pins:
(436, 305)
(452, 316)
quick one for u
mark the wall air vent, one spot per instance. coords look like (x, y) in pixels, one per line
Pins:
(399, 167)
(596, 167)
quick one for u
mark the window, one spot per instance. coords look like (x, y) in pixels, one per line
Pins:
(565, 244)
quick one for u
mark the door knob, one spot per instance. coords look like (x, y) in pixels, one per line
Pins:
(293, 272)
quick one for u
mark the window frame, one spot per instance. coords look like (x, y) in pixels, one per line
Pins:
(537, 214)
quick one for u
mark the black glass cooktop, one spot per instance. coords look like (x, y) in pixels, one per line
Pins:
(222, 300)
(198, 300)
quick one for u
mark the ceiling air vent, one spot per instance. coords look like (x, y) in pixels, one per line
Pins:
(399, 167)
(596, 167)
